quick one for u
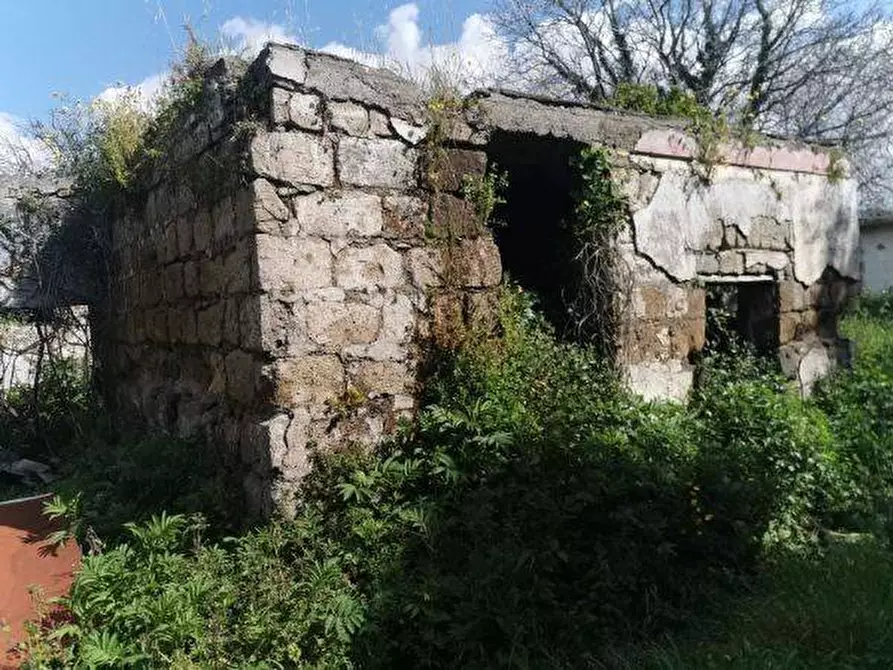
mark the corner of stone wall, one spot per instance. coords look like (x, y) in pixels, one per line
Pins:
(350, 270)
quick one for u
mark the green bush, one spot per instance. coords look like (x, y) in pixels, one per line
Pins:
(762, 459)
(534, 515)
(859, 406)
(41, 424)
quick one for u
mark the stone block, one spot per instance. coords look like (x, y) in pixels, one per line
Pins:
(340, 79)
(223, 216)
(339, 213)
(295, 462)
(452, 217)
(156, 325)
(476, 262)
(398, 323)
(425, 265)
(797, 325)
(449, 169)
(273, 327)
(791, 296)
(307, 380)
(184, 235)
(292, 265)
(286, 63)
(707, 264)
(687, 336)
(217, 370)
(677, 301)
(763, 261)
(411, 133)
(377, 266)
(294, 158)
(237, 267)
(188, 326)
(209, 324)
(341, 324)
(448, 320)
(151, 289)
(173, 282)
(649, 302)
(660, 380)
(175, 324)
(297, 109)
(211, 276)
(349, 118)
(731, 263)
(768, 233)
(191, 283)
(171, 247)
(697, 303)
(231, 320)
(404, 216)
(378, 124)
(184, 200)
(202, 230)
(734, 238)
(376, 163)
(241, 377)
(375, 378)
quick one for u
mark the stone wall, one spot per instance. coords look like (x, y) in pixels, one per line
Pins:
(277, 288)
(779, 213)
(281, 281)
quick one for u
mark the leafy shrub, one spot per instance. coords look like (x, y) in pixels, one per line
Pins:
(40, 424)
(762, 457)
(859, 406)
(533, 515)
(164, 599)
(129, 478)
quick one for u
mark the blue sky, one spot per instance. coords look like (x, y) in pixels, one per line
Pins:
(81, 47)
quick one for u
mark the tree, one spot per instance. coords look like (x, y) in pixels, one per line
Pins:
(817, 70)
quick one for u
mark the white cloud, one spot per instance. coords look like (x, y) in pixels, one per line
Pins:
(479, 58)
(19, 151)
(243, 36)
(146, 92)
(248, 36)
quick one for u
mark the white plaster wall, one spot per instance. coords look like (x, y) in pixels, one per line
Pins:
(877, 257)
(686, 212)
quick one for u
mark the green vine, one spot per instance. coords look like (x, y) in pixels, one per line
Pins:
(485, 193)
(836, 166)
(600, 213)
(711, 130)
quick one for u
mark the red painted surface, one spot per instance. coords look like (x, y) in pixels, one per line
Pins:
(26, 561)
(791, 158)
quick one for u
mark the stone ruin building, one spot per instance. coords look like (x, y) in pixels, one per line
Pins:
(308, 238)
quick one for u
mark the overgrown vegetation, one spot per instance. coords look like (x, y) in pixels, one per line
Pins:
(107, 146)
(711, 128)
(535, 515)
(597, 300)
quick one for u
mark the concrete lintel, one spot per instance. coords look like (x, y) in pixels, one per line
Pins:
(736, 279)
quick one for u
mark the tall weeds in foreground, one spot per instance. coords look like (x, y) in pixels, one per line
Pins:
(534, 515)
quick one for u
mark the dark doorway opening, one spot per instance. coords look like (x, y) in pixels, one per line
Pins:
(532, 231)
(745, 312)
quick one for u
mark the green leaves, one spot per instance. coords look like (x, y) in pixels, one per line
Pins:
(533, 515)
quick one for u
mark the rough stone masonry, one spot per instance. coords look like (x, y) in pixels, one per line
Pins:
(281, 281)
